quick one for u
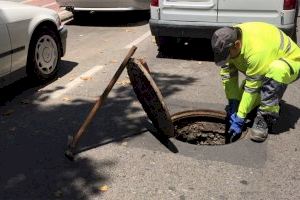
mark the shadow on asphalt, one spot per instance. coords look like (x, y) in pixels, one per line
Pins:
(188, 49)
(25, 85)
(164, 140)
(288, 118)
(111, 19)
(34, 137)
(116, 109)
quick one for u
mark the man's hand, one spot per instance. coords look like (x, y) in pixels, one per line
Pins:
(232, 107)
(236, 126)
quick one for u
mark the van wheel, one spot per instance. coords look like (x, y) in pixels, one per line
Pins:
(294, 33)
(163, 42)
(44, 55)
(79, 15)
(76, 15)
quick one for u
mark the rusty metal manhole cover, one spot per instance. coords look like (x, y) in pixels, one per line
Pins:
(150, 97)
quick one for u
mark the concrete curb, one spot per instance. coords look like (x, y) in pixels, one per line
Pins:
(65, 15)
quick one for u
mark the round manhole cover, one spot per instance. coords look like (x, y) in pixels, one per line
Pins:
(150, 97)
(201, 127)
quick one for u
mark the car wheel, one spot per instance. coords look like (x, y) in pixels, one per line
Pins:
(44, 54)
(78, 16)
(163, 42)
(294, 31)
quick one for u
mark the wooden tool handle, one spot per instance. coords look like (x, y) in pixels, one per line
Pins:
(101, 99)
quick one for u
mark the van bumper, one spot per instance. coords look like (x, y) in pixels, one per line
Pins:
(195, 29)
(182, 29)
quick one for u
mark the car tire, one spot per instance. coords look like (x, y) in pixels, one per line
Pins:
(78, 16)
(294, 31)
(44, 54)
(163, 42)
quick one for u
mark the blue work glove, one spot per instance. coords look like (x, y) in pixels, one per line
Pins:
(236, 126)
(232, 107)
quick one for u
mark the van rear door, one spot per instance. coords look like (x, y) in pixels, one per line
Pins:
(189, 10)
(251, 10)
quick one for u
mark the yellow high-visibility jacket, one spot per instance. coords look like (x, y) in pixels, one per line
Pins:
(262, 44)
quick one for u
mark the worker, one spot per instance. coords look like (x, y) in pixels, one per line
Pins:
(269, 59)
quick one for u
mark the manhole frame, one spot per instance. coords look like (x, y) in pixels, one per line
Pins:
(205, 113)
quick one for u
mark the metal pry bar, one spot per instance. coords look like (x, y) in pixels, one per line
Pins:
(70, 152)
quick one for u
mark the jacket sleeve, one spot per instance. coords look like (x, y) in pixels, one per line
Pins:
(229, 75)
(252, 88)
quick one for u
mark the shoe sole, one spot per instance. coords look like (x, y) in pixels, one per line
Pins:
(257, 139)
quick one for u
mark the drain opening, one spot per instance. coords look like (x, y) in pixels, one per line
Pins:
(201, 129)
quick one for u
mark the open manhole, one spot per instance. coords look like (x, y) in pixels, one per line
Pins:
(201, 127)
(198, 127)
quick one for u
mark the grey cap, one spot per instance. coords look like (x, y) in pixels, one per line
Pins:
(221, 41)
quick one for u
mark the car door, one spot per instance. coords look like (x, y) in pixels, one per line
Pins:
(237, 11)
(5, 48)
(189, 10)
(17, 29)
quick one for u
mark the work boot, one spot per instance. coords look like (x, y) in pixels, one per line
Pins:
(260, 128)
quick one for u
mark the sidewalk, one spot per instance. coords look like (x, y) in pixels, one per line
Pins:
(51, 4)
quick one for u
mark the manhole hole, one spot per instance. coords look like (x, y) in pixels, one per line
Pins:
(201, 127)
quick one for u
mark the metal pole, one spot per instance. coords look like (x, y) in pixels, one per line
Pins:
(69, 153)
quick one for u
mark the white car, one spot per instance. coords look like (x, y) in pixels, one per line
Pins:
(104, 5)
(32, 41)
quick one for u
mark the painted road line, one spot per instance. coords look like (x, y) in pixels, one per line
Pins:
(49, 4)
(137, 41)
(75, 82)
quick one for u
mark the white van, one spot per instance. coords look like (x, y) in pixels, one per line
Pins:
(200, 18)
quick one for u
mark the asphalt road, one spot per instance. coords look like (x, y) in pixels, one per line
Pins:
(118, 151)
